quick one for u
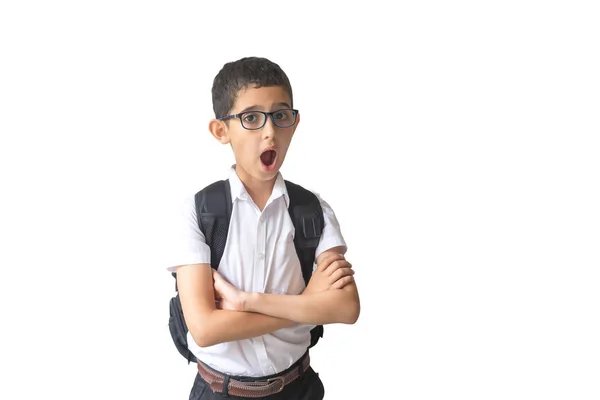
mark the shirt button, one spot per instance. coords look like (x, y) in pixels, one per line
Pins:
(261, 256)
(262, 218)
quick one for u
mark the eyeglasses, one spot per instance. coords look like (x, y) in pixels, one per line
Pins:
(253, 120)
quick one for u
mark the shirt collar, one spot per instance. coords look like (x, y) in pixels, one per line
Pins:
(238, 190)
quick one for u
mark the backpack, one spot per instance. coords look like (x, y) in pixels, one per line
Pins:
(213, 210)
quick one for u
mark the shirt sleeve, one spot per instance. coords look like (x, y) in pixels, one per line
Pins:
(332, 234)
(187, 244)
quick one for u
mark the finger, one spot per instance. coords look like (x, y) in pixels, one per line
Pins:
(325, 263)
(328, 260)
(218, 277)
(340, 283)
(334, 266)
(340, 273)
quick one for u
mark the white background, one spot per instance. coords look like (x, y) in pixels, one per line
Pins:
(456, 141)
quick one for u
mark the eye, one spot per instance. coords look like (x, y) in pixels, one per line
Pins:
(282, 115)
(250, 117)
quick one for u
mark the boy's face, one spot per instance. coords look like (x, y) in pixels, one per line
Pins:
(259, 153)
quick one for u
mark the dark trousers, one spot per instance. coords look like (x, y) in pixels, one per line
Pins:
(307, 387)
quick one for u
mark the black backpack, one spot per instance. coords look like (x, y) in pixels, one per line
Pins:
(213, 208)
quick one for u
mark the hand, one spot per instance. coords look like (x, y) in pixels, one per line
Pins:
(227, 296)
(334, 272)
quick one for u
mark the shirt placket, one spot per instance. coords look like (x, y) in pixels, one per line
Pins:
(260, 260)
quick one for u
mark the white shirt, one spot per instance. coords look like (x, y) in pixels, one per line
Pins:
(259, 256)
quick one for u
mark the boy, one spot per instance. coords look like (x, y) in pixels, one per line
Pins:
(249, 323)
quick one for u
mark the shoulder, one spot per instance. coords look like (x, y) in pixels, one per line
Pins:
(217, 187)
(298, 191)
(187, 207)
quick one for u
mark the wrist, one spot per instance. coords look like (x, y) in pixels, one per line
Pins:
(249, 301)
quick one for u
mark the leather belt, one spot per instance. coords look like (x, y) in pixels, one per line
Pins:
(261, 387)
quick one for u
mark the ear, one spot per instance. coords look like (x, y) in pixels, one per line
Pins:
(219, 130)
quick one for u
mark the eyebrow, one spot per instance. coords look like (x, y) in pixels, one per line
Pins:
(257, 107)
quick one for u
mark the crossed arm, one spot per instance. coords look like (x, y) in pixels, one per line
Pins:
(331, 296)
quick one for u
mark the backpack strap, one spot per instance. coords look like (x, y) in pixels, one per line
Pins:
(307, 216)
(213, 210)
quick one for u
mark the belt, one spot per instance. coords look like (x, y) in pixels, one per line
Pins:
(261, 387)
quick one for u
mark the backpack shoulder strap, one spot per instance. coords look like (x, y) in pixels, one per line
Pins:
(307, 217)
(213, 210)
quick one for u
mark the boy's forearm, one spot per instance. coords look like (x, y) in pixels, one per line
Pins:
(225, 326)
(331, 306)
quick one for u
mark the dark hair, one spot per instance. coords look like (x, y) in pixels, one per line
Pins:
(237, 75)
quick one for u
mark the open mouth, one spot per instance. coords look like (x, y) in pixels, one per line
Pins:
(267, 158)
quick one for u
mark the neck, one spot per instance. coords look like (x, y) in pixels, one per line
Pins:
(259, 191)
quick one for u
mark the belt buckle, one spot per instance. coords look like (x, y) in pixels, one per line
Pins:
(277, 378)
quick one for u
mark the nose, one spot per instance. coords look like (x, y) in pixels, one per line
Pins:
(268, 130)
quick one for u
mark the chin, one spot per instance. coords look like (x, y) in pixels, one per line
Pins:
(268, 175)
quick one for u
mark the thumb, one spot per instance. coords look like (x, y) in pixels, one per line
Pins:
(216, 275)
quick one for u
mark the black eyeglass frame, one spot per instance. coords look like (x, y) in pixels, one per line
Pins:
(266, 114)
